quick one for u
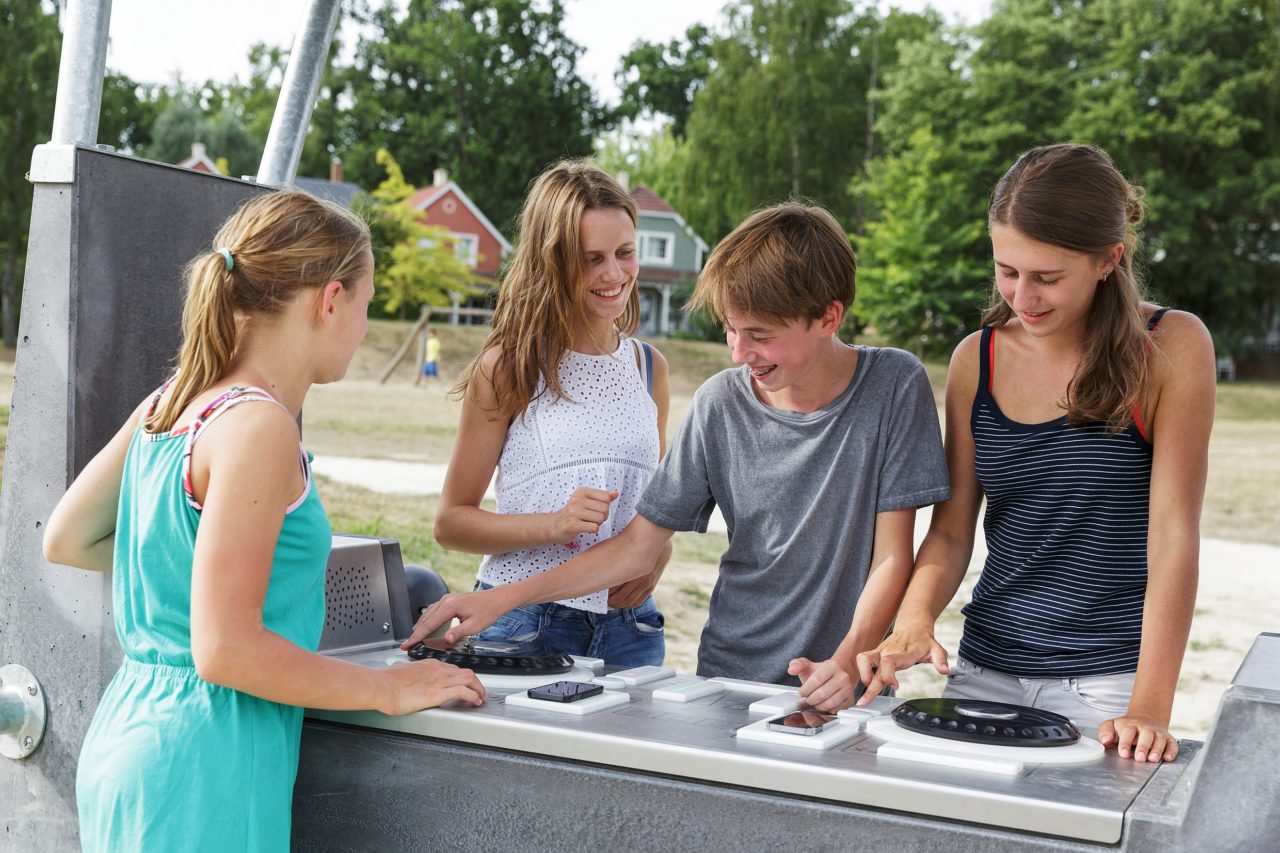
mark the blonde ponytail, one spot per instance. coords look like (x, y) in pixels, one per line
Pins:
(276, 245)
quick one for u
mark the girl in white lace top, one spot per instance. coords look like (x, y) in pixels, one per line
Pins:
(571, 411)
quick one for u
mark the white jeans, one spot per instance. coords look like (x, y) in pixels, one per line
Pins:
(1086, 701)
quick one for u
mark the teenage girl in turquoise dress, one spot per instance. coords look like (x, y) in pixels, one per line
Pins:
(203, 507)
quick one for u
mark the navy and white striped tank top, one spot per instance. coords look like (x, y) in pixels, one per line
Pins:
(1062, 590)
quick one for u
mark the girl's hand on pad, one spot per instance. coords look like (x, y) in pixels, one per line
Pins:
(584, 512)
(426, 684)
(903, 649)
(825, 686)
(1144, 737)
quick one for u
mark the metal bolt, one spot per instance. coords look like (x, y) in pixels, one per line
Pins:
(31, 689)
(386, 627)
(27, 742)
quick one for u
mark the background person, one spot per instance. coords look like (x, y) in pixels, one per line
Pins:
(572, 412)
(203, 507)
(1082, 414)
(431, 360)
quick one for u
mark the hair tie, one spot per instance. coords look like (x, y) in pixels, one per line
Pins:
(227, 260)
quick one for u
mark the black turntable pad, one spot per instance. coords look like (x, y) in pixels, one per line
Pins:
(977, 721)
(495, 657)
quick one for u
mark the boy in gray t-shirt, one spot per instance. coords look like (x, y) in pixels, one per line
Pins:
(817, 454)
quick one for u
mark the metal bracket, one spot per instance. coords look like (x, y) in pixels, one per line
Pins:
(22, 712)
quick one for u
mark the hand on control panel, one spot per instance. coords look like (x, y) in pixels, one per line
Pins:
(475, 610)
(903, 649)
(825, 686)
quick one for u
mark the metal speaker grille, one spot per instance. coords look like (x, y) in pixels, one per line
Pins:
(352, 613)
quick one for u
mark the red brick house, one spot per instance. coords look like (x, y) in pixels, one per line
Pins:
(199, 160)
(475, 239)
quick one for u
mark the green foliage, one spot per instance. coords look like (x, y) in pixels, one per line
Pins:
(917, 282)
(784, 112)
(1180, 93)
(1196, 84)
(655, 159)
(487, 90)
(415, 262)
(662, 79)
(29, 49)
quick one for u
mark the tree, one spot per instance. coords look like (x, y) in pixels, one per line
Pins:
(662, 79)
(1185, 100)
(784, 112)
(486, 90)
(29, 51)
(655, 159)
(415, 262)
(918, 283)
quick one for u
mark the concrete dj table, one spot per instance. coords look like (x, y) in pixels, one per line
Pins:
(658, 774)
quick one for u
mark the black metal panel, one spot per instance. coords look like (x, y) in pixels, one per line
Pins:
(137, 224)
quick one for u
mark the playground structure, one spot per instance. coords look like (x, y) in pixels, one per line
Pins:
(100, 312)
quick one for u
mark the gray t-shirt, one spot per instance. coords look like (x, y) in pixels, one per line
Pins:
(799, 493)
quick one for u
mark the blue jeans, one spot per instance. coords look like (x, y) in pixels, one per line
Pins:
(626, 637)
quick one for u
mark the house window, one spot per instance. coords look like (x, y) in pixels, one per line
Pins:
(466, 248)
(656, 248)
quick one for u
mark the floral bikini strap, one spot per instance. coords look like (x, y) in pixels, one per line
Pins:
(222, 403)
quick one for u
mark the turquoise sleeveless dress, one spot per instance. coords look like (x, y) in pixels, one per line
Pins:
(170, 761)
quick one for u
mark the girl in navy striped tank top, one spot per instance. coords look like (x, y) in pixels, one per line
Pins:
(1082, 414)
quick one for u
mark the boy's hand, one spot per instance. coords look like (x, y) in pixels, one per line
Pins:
(1149, 738)
(584, 512)
(904, 648)
(476, 610)
(825, 686)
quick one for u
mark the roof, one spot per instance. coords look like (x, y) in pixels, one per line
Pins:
(429, 195)
(650, 203)
(338, 192)
(202, 163)
(648, 200)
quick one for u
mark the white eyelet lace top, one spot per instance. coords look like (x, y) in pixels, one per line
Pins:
(604, 436)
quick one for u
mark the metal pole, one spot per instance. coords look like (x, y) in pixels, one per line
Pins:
(80, 72)
(307, 62)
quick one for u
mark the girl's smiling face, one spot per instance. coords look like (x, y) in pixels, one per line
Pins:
(1048, 287)
(610, 264)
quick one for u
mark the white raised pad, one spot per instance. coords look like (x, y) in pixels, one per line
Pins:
(906, 745)
(608, 699)
(778, 703)
(687, 689)
(836, 732)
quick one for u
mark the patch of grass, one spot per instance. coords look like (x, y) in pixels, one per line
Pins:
(1214, 643)
(697, 595)
(700, 547)
(1248, 401)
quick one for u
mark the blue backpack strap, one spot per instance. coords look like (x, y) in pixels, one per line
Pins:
(648, 367)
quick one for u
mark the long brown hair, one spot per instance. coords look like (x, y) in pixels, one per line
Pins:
(279, 244)
(1073, 197)
(540, 298)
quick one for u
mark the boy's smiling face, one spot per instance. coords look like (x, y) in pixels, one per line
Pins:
(780, 354)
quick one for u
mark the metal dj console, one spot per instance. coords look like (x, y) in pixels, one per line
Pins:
(660, 765)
